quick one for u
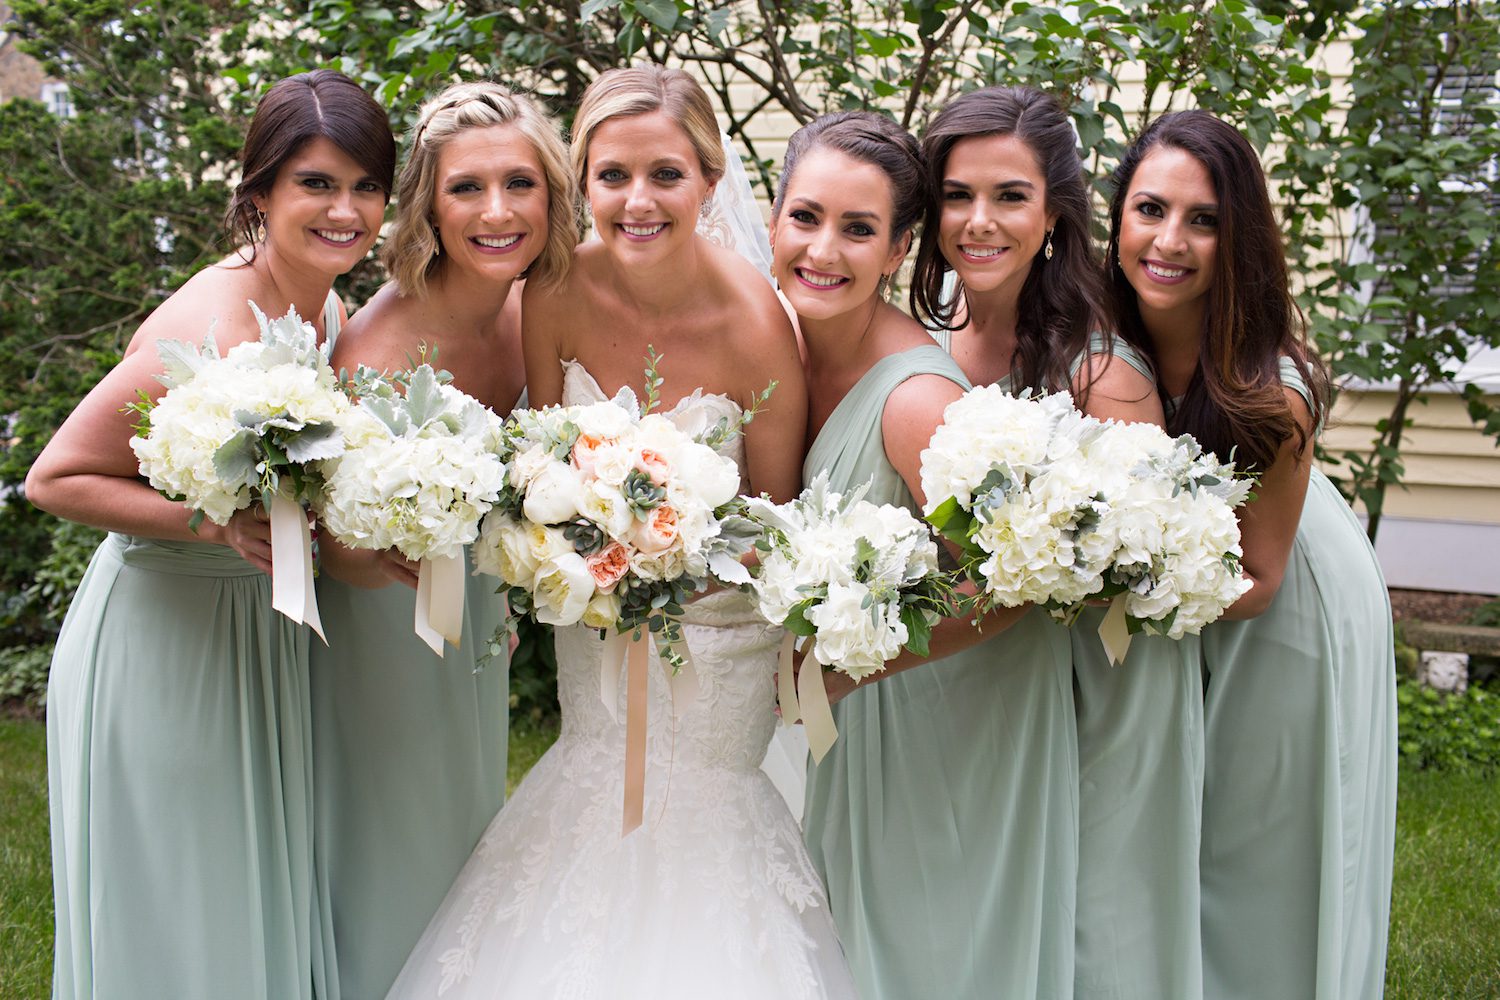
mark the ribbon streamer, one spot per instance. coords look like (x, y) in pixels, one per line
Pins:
(817, 716)
(786, 682)
(635, 734)
(291, 564)
(1114, 631)
(440, 602)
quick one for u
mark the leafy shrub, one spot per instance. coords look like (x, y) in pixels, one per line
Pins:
(533, 675)
(1450, 732)
(23, 676)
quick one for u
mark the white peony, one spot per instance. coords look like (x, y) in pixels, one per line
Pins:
(562, 589)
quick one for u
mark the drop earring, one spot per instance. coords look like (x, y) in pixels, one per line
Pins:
(1047, 250)
(260, 227)
(437, 242)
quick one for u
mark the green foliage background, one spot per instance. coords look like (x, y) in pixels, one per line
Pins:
(106, 213)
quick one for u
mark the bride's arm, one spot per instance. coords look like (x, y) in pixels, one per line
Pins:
(543, 312)
(774, 439)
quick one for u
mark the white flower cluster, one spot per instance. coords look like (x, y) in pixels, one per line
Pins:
(419, 471)
(230, 428)
(1170, 525)
(848, 569)
(1055, 508)
(605, 511)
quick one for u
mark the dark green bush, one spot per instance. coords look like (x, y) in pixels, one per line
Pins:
(533, 674)
(23, 676)
(1450, 732)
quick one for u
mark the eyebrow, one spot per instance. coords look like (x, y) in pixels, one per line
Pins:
(661, 161)
(1003, 185)
(816, 207)
(1200, 207)
(323, 175)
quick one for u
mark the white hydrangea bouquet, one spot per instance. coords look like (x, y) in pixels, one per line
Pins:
(419, 471)
(1051, 507)
(1169, 519)
(253, 425)
(859, 579)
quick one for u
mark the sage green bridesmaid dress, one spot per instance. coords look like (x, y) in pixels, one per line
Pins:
(179, 757)
(1299, 799)
(409, 767)
(1140, 765)
(945, 819)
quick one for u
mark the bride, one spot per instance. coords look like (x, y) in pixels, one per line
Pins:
(714, 895)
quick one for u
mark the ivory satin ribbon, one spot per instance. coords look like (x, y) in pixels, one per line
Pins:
(440, 602)
(806, 698)
(1114, 631)
(291, 565)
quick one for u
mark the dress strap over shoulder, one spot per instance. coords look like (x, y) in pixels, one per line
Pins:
(1292, 379)
(850, 446)
(1118, 347)
(331, 322)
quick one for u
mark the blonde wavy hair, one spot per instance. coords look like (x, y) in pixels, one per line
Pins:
(639, 90)
(408, 252)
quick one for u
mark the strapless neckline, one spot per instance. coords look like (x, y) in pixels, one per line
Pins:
(575, 372)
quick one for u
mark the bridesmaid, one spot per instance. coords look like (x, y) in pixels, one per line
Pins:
(1299, 795)
(178, 721)
(410, 761)
(904, 815)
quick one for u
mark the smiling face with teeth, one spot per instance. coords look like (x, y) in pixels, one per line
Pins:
(994, 216)
(323, 211)
(1169, 236)
(490, 202)
(831, 238)
(645, 186)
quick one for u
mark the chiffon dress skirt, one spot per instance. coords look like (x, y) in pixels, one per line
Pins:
(1299, 803)
(945, 817)
(180, 783)
(409, 766)
(1140, 806)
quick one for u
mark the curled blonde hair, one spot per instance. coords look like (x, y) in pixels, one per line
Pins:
(408, 252)
(639, 90)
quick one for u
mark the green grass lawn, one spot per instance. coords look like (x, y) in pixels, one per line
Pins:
(1445, 914)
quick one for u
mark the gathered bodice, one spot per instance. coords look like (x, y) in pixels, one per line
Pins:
(729, 721)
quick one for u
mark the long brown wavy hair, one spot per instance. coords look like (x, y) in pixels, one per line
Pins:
(1235, 403)
(1062, 297)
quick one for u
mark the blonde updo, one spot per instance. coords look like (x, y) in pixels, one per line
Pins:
(639, 90)
(408, 252)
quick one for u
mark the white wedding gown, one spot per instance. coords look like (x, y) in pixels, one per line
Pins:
(713, 897)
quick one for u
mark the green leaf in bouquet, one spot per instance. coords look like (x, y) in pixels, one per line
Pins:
(424, 397)
(315, 443)
(865, 555)
(728, 569)
(181, 361)
(918, 631)
(237, 459)
(653, 380)
(796, 618)
(389, 411)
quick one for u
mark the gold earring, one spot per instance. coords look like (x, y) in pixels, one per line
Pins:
(1047, 251)
(437, 242)
(260, 227)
